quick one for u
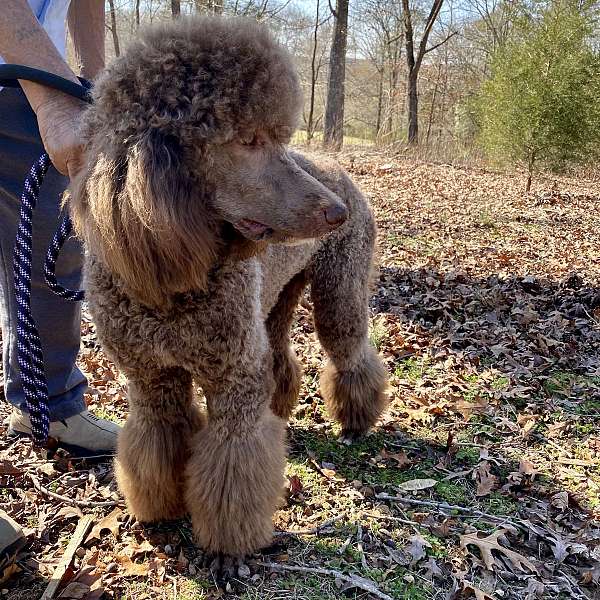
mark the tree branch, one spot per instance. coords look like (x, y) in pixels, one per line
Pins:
(436, 7)
(449, 37)
(333, 11)
(354, 580)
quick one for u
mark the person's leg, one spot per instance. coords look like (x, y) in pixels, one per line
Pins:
(58, 320)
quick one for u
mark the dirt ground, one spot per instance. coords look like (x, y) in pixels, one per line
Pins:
(481, 481)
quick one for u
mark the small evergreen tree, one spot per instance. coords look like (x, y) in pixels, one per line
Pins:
(541, 105)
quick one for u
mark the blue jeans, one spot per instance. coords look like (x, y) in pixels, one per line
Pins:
(58, 320)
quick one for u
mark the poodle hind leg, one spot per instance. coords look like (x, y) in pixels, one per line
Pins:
(354, 382)
(153, 447)
(286, 368)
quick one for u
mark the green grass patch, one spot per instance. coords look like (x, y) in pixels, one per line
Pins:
(416, 244)
(468, 454)
(500, 383)
(497, 504)
(591, 406)
(102, 413)
(452, 493)
(486, 220)
(298, 588)
(400, 589)
(377, 333)
(411, 368)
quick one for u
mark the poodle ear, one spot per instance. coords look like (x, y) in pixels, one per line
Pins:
(147, 220)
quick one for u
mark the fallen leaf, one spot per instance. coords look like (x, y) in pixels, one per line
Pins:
(8, 572)
(75, 591)
(486, 481)
(432, 569)
(134, 549)
(157, 567)
(487, 544)
(535, 589)
(401, 458)
(7, 468)
(417, 548)
(131, 569)
(468, 409)
(68, 512)
(415, 485)
(527, 424)
(479, 594)
(182, 561)
(295, 486)
(526, 467)
(110, 522)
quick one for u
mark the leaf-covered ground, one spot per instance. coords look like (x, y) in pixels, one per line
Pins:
(481, 481)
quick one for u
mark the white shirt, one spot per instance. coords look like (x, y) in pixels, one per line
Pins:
(52, 14)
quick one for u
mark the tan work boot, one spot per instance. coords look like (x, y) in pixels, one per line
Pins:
(84, 430)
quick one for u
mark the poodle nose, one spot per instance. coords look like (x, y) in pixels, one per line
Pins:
(336, 214)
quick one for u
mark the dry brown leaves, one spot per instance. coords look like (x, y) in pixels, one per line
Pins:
(486, 311)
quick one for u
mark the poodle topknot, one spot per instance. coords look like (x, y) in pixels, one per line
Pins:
(202, 230)
(203, 79)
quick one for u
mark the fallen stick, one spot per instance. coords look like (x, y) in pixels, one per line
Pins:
(413, 524)
(65, 562)
(354, 580)
(450, 507)
(71, 501)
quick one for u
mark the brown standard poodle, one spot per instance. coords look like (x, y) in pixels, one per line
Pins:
(202, 230)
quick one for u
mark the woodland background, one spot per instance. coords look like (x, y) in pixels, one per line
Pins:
(433, 75)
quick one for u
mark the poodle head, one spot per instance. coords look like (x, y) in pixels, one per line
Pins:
(186, 153)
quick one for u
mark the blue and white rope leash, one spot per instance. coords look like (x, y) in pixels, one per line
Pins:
(29, 348)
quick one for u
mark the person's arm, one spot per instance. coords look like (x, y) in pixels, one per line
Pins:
(86, 26)
(24, 41)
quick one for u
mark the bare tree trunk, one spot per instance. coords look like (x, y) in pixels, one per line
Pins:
(379, 103)
(310, 125)
(113, 27)
(137, 13)
(443, 95)
(530, 166)
(433, 99)
(414, 60)
(175, 8)
(333, 136)
(413, 108)
(393, 88)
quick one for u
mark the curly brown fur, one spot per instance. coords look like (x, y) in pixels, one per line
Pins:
(236, 479)
(286, 368)
(154, 446)
(201, 230)
(356, 397)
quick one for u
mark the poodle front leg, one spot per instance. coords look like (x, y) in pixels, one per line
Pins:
(154, 444)
(235, 473)
(354, 382)
(286, 368)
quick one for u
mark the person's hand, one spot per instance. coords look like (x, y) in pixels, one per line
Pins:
(58, 122)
